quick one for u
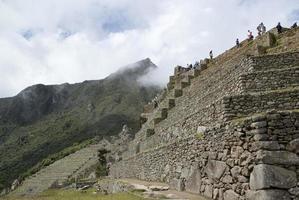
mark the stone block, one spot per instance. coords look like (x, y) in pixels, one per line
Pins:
(267, 145)
(215, 169)
(277, 157)
(230, 195)
(259, 131)
(208, 191)
(236, 171)
(227, 179)
(261, 137)
(260, 124)
(185, 172)
(268, 195)
(270, 176)
(177, 184)
(236, 151)
(293, 146)
(193, 183)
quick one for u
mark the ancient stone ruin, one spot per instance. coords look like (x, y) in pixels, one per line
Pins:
(227, 130)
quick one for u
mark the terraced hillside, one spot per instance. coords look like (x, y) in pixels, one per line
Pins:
(59, 172)
(228, 129)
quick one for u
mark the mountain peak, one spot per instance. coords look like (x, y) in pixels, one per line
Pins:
(135, 70)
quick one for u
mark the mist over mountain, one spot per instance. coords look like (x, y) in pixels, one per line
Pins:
(45, 119)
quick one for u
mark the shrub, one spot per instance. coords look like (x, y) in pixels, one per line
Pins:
(199, 136)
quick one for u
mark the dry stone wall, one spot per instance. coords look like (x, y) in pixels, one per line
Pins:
(249, 159)
(244, 105)
(275, 61)
(200, 104)
(269, 80)
(201, 101)
(222, 133)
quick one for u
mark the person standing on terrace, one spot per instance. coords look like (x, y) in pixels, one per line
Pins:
(279, 28)
(237, 43)
(250, 36)
(211, 54)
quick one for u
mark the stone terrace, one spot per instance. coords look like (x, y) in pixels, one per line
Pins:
(59, 172)
(208, 143)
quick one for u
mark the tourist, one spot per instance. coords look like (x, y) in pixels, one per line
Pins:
(263, 28)
(259, 29)
(211, 55)
(196, 65)
(250, 36)
(279, 28)
(237, 43)
(294, 25)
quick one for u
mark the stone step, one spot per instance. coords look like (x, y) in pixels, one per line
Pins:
(177, 93)
(183, 83)
(183, 80)
(252, 103)
(274, 61)
(160, 115)
(150, 132)
(193, 73)
(269, 80)
(171, 83)
(171, 103)
(144, 117)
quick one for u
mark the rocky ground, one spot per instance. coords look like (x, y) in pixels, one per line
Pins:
(146, 190)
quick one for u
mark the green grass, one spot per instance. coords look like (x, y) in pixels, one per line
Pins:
(77, 195)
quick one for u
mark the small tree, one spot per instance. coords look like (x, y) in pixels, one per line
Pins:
(102, 169)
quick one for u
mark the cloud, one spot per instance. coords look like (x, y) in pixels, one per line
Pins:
(294, 15)
(54, 41)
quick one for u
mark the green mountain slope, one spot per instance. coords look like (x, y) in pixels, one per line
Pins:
(43, 120)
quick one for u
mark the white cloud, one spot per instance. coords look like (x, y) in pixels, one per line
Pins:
(75, 40)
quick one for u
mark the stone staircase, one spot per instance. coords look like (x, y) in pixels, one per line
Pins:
(176, 90)
(59, 172)
(276, 74)
(216, 92)
(179, 90)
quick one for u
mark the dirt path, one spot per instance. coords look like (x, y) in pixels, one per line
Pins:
(156, 189)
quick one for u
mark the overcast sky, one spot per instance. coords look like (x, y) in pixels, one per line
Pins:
(57, 41)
